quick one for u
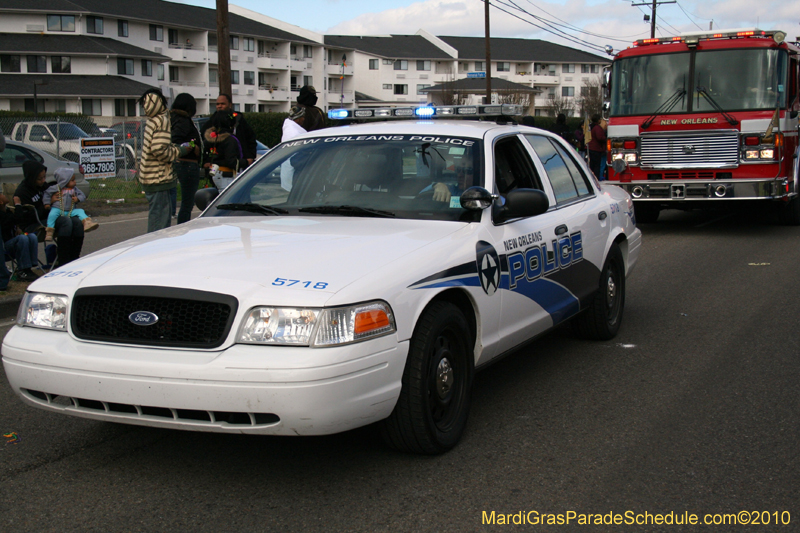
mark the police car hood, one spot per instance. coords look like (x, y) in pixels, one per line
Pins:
(292, 260)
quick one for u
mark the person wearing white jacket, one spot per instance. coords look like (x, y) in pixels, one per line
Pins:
(292, 127)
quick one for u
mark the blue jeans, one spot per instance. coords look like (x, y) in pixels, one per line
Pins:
(158, 216)
(189, 178)
(24, 248)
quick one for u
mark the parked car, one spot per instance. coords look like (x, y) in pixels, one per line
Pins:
(16, 153)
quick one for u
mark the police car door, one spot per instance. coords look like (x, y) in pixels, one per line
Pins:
(585, 217)
(530, 304)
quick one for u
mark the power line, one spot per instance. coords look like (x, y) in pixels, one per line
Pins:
(653, 5)
(576, 28)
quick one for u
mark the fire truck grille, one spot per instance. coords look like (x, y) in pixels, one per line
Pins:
(177, 317)
(690, 150)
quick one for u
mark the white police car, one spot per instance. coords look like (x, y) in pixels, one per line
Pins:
(353, 275)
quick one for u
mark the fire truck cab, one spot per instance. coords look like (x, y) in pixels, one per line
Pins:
(706, 117)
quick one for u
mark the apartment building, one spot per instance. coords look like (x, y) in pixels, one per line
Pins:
(97, 56)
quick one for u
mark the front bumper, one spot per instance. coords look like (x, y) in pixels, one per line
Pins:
(693, 190)
(270, 390)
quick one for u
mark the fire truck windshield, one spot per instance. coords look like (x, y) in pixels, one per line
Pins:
(738, 80)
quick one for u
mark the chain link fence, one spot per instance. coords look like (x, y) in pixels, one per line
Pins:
(59, 137)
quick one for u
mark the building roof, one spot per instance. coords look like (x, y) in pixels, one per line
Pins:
(71, 44)
(508, 49)
(390, 46)
(156, 11)
(478, 85)
(70, 85)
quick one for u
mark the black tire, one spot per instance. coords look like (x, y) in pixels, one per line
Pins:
(601, 321)
(432, 410)
(789, 215)
(646, 212)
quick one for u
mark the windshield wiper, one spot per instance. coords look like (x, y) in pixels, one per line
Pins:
(732, 121)
(254, 208)
(347, 210)
(666, 107)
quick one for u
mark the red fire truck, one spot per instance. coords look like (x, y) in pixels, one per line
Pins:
(706, 117)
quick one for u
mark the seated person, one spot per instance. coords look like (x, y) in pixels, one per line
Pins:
(62, 197)
(442, 192)
(22, 247)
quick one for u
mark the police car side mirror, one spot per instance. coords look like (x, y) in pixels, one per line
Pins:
(477, 199)
(521, 203)
(203, 197)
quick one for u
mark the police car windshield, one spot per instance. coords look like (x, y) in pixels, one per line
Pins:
(408, 176)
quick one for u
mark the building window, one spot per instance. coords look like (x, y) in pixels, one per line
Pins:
(388, 62)
(567, 69)
(423, 65)
(422, 86)
(308, 81)
(122, 28)
(400, 89)
(463, 66)
(401, 64)
(249, 44)
(249, 77)
(60, 22)
(568, 91)
(307, 50)
(249, 108)
(174, 74)
(94, 25)
(588, 91)
(161, 72)
(36, 130)
(503, 66)
(119, 107)
(172, 36)
(234, 42)
(236, 107)
(61, 105)
(586, 69)
(156, 32)
(551, 91)
(373, 64)
(93, 107)
(595, 69)
(37, 64)
(387, 86)
(125, 107)
(124, 66)
(147, 67)
(212, 76)
(9, 63)
(480, 66)
(234, 77)
(60, 64)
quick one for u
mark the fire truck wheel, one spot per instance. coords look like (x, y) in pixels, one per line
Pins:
(602, 319)
(646, 213)
(790, 212)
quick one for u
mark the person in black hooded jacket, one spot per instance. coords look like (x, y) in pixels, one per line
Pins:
(187, 167)
(222, 148)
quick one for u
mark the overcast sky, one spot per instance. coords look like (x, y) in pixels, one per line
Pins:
(613, 22)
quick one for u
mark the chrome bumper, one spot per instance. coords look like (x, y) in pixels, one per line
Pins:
(689, 190)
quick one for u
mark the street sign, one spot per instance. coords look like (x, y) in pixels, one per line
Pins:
(476, 74)
(97, 157)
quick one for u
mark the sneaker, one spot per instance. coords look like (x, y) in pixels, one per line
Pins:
(27, 275)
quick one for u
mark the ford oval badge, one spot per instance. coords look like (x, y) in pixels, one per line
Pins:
(143, 318)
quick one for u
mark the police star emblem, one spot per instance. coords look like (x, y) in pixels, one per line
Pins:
(488, 267)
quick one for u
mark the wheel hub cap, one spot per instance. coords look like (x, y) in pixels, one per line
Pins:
(444, 378)
(611, 290)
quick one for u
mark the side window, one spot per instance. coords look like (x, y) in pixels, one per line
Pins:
(20, 136)
(513, 168)
(568, 182)
(38, 133)
(13, 157)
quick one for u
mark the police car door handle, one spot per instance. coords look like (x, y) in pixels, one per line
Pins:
(602, 215)
(561, 229)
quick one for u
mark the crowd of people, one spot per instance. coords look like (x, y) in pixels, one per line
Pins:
(592, 150)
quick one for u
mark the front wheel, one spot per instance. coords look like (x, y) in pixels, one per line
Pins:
(601, 321)
(433, 406)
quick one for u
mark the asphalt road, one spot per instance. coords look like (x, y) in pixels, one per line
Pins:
(693, 408)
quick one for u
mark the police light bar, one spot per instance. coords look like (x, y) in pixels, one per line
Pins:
(510, 110)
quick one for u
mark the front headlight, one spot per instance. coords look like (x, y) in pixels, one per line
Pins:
(316, 327)
(42, 310)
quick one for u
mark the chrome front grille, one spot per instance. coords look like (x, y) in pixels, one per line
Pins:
(690, 150)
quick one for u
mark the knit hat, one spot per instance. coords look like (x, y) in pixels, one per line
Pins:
(308, 95)
(31, 169)
(296, 112)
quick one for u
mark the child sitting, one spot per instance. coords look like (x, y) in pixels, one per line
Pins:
(66, 196)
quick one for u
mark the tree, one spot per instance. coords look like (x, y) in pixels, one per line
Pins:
(560, 104)
(590, 102)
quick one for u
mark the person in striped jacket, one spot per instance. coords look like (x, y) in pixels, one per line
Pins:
(156, 174)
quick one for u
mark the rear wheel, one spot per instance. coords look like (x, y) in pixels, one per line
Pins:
(646, 212)
(432, 410)
(601, 321)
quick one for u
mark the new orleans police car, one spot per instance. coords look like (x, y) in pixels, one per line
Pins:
(353, 275)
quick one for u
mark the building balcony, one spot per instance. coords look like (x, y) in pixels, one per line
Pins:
(197, 89)
(339, 98)
(297, 64)
(273, 93)
(272, 62)
(544, 79)
(336, 68)
(185, 53)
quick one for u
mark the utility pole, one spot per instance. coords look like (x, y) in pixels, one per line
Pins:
(653, 6)
(488, 57)
(223, 48)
